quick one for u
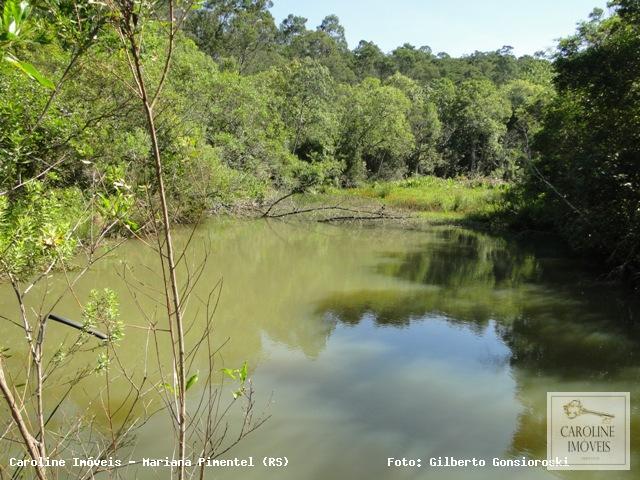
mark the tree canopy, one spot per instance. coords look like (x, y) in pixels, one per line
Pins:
(249, 107)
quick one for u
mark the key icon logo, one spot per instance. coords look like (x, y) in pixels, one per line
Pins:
(574, 409)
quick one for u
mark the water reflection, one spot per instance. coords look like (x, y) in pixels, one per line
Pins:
(472, 279)
(561, 330)
(371, 343)
(456, 258)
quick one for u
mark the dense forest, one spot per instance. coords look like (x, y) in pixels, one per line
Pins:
(250, 108)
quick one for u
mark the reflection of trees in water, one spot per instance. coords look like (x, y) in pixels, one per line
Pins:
(562, 328)
(457, 258)
(554, 328)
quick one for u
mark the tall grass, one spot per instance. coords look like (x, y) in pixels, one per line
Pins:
(434, 197)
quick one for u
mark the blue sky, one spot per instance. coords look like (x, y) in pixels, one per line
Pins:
(454, 26)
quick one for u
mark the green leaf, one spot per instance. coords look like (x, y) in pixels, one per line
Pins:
(132, 225)
(30, 71)
(229, 373)
(243, 372)
(193, 379)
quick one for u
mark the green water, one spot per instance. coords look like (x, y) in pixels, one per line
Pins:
(368, 343)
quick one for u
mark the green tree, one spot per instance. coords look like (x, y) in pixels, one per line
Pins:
(586, 180)
(331, 26)
(416, 63)
(291, 27)
(370, 61)
(477, 121)
(322, 47)
(245, 128)
(238, 33)
(375, 135)
(529, 102)
(425, 126)
(307, 108)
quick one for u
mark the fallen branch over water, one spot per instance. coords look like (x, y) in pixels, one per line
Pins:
(354, 217)
(378, 214)
(284, 197)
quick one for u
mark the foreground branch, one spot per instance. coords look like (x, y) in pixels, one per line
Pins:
(29, 440)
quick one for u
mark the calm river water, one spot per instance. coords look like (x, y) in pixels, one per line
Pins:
(368, 343)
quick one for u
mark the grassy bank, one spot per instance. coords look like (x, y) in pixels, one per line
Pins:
(436, 198)
(433, 199)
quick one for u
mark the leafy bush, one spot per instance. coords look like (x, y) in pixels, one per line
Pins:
(40, 228)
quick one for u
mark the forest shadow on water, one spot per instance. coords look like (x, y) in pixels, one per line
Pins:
(558, 326)
(549, 321)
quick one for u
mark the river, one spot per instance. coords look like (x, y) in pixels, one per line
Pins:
(365, 343)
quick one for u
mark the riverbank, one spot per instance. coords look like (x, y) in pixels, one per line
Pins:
(422, 199)
(419, 202)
